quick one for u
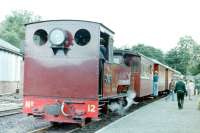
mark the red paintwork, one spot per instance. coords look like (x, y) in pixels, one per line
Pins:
(120, 74)
(69, 41)
(156, 67)
(142, 85)
(67, 81)
(32, 103)
(136, 81)
(68, 76)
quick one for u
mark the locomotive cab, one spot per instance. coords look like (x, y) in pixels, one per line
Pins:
(105, 55)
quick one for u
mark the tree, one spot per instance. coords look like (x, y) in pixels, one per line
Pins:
(194, 70)
(12, 28)
(173, 59)
(185, 56)
(149, 52)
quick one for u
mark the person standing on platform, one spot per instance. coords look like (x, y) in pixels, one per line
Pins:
(180, 89)
(171, 90)
(155, 84)
(197, 86)
(190, 89)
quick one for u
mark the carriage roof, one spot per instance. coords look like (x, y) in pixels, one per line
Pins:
(123, 52)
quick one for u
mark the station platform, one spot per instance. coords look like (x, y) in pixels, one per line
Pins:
(159, 117)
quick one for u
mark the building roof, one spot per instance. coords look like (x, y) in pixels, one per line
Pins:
(8, 47)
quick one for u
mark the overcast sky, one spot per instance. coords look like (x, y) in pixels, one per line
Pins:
(158, 23)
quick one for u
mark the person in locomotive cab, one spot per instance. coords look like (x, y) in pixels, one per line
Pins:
(155, 84)
(180, 89)
(102, 55)
(102, 59)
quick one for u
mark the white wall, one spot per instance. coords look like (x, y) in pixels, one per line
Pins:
(9, 66)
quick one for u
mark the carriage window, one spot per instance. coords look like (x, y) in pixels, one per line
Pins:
(40, 37)
(82, 37)
(145, 73)
(117, 60)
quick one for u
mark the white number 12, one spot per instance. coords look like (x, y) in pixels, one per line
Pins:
(91, 108)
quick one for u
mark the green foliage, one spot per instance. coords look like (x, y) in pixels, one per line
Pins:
(149, 52)
(185, 57)
(194, 70)
(12, 28)
(173, 59)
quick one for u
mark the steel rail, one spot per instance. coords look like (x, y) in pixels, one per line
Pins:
(9, 112)
(41, 130)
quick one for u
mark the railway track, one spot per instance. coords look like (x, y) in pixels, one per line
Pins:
(48, 128)
(12, 111)
(41, 130)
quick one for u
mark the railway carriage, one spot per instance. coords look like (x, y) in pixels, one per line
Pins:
(142, 70)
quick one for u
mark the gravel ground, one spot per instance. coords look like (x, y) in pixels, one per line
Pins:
(20, 123)
(14, 98)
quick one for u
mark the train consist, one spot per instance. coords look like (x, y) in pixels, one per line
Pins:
(72, 73)
(142, 70)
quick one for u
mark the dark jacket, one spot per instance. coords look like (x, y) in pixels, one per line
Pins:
(102, 52)
(180, 87)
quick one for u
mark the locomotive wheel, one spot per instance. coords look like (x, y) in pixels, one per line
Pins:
(88, 120)
(54, 123)
(82, 124)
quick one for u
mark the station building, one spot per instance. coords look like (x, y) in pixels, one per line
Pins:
(11, 64)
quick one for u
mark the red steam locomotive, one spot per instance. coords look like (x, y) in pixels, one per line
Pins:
(71, 72)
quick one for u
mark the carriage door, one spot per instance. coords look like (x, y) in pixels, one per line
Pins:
(135, 74)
